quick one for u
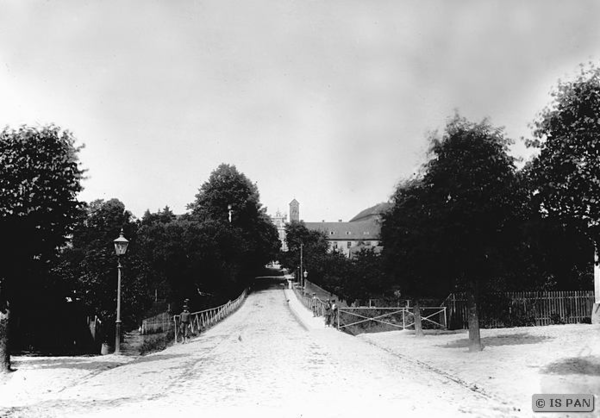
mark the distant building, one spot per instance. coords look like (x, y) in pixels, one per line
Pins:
(280, 220)
(362, 231)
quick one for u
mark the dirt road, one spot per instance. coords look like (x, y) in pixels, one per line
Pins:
(271, 358)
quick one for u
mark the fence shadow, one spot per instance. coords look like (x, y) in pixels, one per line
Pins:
(521, 338)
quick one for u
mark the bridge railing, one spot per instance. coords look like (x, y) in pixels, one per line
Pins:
(202, 320)
(316, 305)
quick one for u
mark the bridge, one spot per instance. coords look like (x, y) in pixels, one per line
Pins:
(269, 358)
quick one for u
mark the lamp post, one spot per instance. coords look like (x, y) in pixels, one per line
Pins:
(301, 270)
(120, 248)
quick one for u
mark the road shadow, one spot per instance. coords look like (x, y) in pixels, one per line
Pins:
(589, 366)
(72, 364)
(522, 338)
(262, 284)
(157, 357)
(88, 363)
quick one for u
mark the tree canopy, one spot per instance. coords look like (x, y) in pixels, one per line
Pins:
(566, 172)
(39, 181)
(449, 224)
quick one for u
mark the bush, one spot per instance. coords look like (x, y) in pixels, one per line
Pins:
(156, 342)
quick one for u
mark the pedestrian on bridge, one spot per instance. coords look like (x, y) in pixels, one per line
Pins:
(334, 312)
(328, 313)
(314, 304)
(184, 322)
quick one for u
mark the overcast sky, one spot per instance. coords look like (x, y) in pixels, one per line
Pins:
(328, 102)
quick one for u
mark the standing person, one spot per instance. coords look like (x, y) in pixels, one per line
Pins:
(314, 304)
(184, 321)
(328, 313)
(334, 312)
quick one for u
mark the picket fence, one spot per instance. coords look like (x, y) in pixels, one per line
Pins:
(522, 308)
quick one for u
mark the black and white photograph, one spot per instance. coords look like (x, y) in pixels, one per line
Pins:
(299, 208)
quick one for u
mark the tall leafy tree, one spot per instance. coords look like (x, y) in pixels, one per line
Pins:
(39, 181)
(227, 189)
(461, 208)
(472, 184)
(88, 266)
(228, 204)
(566, 171)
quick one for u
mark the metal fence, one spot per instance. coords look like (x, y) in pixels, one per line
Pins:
(202, 320)
(358, 320)
(510, 309)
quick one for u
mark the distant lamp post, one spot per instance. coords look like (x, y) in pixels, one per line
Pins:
(301, 269)
(120, 249)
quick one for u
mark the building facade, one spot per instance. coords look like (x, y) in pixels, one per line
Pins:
(279, 220)
(360, 232)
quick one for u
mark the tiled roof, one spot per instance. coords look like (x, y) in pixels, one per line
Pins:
(372, 212)
(367, 230)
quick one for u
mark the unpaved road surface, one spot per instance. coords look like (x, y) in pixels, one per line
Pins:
(270, 358)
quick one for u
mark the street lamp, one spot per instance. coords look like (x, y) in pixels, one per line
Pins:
(120, 248)
(301, 269)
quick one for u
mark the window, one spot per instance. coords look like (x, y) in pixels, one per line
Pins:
(349, 244)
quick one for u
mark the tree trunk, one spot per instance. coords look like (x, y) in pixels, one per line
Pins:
(417, 315)
(596, 274)
(474, 334)
(4, 348)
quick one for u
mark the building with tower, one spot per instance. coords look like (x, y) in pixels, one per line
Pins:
(350, 237)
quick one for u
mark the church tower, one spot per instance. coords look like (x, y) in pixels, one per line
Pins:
(294, 211)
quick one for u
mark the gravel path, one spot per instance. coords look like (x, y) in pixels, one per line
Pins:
(270, 358)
